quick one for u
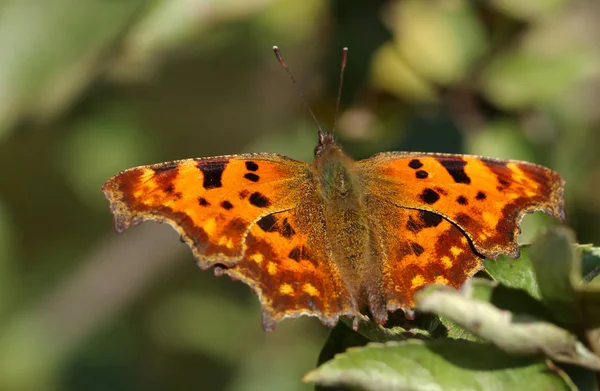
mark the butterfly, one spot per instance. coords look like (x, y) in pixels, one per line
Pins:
(339, 237)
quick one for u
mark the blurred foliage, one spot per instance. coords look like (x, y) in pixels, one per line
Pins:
(90, 87)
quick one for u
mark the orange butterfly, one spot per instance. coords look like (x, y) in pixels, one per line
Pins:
(337, 236)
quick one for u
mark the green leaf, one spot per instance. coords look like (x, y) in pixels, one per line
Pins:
(439, 364)
(518, 302)
(563, 279)
(482, 290)
(515, 273)
(501, 296)
(515, 334)
(556, 265)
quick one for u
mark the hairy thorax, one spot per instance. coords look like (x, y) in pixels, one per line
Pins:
(345, 217)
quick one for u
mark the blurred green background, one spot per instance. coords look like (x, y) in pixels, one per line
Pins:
(91, 87)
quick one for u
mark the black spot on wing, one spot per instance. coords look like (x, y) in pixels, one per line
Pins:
(429, 196)
(429, 219)
(259, 200)
(286, 229)
(267, 223)
(251, 166)
(295, 254)
(202, 201)
(421, 174)
(480, 196)
(462, 200)
(416, 248)
(415, 164)
(212, 173)
(412, 225)
(169, 188)
(252, 177)
(226, 205)
(456, 169)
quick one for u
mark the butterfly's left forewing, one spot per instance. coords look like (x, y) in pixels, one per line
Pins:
(211, 201)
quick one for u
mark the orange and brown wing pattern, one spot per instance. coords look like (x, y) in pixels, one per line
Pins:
(485, 197)
(417, 248)
(287, 264)
(211, 202)
(257, 217)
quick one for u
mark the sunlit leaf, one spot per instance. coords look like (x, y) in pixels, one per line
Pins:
(514, 334)
(441, 364)
(556, 266)
(515, 273)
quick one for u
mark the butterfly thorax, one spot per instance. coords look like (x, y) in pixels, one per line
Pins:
(338, 184)
(345, 218)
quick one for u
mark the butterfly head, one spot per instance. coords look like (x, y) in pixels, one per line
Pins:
(326, 142)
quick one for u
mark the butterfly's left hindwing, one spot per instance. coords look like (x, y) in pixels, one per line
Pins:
(287, 265)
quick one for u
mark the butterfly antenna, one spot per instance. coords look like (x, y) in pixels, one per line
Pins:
(339, 94)
(297, 86)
